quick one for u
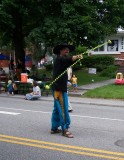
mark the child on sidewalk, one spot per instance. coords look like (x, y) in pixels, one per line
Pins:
(10, 87)
(74, 83)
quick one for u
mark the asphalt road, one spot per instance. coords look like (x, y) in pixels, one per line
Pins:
(25, 132)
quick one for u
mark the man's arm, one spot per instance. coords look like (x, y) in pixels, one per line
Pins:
(76, 57)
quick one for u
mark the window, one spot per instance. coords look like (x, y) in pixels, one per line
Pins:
(113, 46)
(99, 49)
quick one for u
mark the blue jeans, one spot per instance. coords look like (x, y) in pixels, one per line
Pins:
(31, 96)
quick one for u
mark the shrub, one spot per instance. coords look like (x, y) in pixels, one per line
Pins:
(100, 67)
(49, 66)
(110, 72)
(77, 66)
(100, 62)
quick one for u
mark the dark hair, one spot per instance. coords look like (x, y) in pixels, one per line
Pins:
(56, 49)
(35, 83)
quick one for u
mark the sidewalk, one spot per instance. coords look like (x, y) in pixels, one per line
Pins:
(84, 88)
(75, 97)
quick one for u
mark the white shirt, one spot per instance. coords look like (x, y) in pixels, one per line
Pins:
(69, 72)
(37, 90)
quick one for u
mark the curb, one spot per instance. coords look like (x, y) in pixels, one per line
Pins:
(78, 100)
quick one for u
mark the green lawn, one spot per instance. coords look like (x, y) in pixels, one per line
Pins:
(85, 78)
(82, 75)
(108, 92)
(112, 91)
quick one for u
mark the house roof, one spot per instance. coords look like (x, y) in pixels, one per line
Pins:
(120, 31)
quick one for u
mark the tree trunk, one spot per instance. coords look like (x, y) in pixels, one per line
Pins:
(19, 51)
(18, 39)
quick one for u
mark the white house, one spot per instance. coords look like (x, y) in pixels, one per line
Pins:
(116, 48)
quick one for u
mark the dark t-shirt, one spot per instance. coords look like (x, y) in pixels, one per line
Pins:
(60, 65)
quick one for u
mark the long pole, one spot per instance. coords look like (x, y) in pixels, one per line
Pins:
(88, 51)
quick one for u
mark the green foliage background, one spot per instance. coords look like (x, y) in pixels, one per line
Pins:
(28, 23)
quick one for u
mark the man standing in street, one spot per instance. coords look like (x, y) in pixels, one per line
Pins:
(60, 115)
(69, 72)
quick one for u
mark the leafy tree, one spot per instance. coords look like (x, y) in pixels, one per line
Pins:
(84, 22)
(78, 22)
(18, 18)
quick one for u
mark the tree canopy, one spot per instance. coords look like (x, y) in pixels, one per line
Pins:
(79, 22)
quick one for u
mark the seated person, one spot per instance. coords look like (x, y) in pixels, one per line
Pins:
(2, 71)
(15, 89)
(36, 94)
(2, 88)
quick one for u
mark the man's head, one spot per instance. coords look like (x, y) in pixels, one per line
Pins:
(63, 49)
(34, 83)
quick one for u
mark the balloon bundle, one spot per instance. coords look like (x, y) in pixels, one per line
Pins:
(79, 60)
